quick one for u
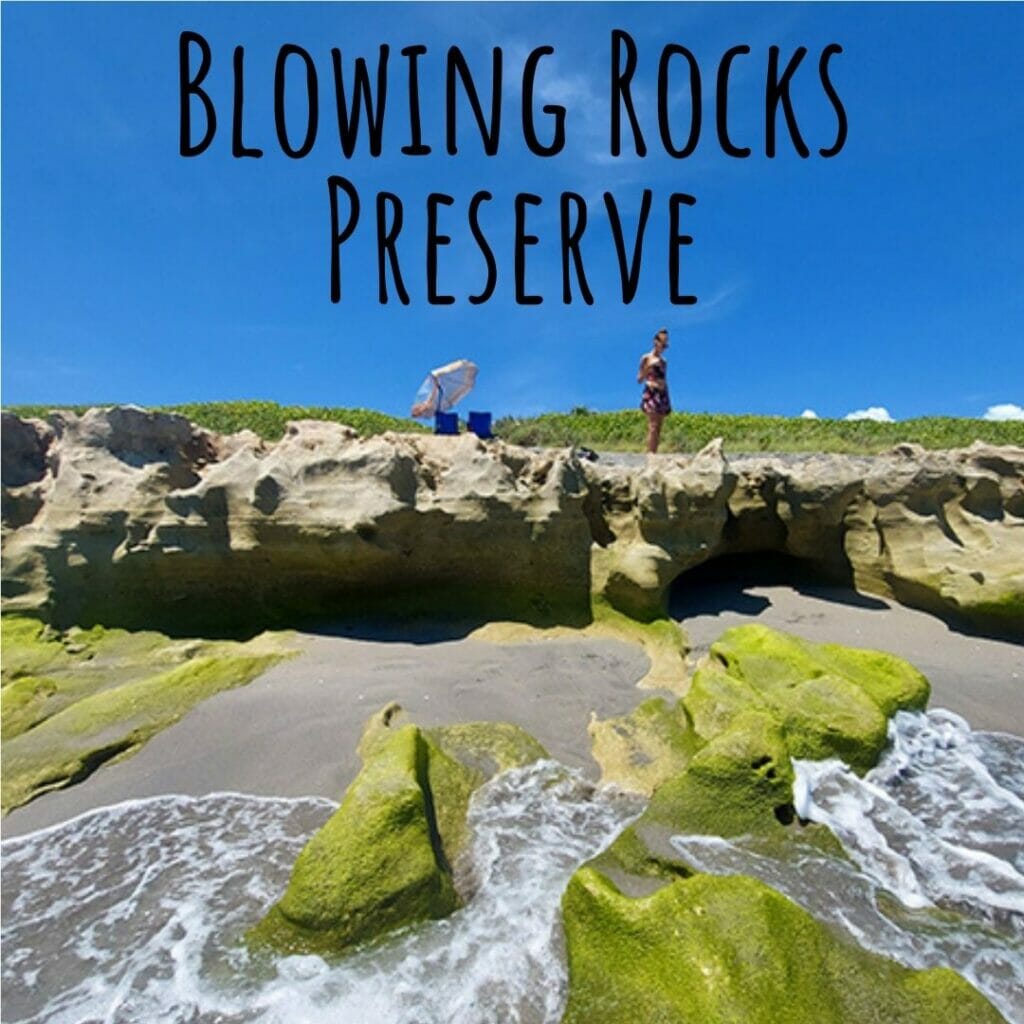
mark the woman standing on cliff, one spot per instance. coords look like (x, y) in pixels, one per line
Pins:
(655, 401)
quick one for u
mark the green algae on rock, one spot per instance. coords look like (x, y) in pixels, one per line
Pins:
(732, 949)
(25, 703)
(491, 747)
(831, 700)
(380, 862)
(651, 938)
(772, 659)
(762, 698)
(75, 700)
(740, 782)
(831, 717)
(384, 859)
(812, 700)
(80, 660)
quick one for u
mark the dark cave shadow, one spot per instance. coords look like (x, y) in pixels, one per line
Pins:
(438, 626)
(722, 585)
(394, 631)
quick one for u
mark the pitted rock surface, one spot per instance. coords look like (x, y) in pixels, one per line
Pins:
(135, 518)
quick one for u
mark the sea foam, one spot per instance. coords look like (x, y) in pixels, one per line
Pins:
(136, 914)
(935, 840)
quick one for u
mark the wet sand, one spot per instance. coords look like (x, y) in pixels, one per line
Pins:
(294, 731)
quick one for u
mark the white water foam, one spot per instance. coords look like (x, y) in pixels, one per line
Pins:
(935, 840)
(134, 915)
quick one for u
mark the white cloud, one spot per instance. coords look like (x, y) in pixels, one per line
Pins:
(1005, 411)
(808, 414)
(878, 413)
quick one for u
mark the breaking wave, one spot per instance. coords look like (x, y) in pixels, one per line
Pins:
(934, 843)
(136, 913)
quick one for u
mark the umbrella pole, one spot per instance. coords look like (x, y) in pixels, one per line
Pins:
(440, 405)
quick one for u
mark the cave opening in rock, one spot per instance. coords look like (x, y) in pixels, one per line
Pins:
(748, 586)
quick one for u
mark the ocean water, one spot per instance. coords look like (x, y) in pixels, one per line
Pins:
(135, 913)
(934, 837)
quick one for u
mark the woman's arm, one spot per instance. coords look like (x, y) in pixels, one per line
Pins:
(643, 369)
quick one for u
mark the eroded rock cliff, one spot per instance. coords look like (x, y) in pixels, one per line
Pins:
(132, 518)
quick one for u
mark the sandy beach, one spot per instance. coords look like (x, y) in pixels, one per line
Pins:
(294, 730)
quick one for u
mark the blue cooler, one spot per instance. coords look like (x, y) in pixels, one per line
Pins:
(446, 423)
(480, 424)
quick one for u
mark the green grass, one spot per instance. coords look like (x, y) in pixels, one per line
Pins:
(689, 432)
(623, 431)
(267, 419)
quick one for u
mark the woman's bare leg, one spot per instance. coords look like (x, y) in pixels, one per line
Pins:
(654, 421)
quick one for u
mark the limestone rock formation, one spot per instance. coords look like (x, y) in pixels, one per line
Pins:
(937, 530)
(732, 949)
(385, 858)
(76, 700)
(131, 518)
(136, 519)
(823, 700)
(650, 938)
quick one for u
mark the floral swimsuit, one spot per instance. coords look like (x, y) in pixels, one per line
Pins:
(655, 400)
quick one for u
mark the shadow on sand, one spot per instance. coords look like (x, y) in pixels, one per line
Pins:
(723, 585)
(407, 632)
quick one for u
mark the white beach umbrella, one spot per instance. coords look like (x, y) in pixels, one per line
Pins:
(444, 387)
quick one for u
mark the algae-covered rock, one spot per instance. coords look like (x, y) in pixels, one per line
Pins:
(384, 859)
(741, 779)
(25, 702)
(77, 699)
(831, 717)
(771, 659)
(719, 762)
(643, 749)
(831, 700)
(740, 782)
(380, 861)
(716, 698)
(731, 949)
(491, 747)
(650, 938)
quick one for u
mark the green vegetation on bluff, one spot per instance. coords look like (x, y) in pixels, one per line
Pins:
(689, 432)
(267, 419)
(620, 431)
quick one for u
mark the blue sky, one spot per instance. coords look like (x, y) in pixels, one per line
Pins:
(891, 275)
